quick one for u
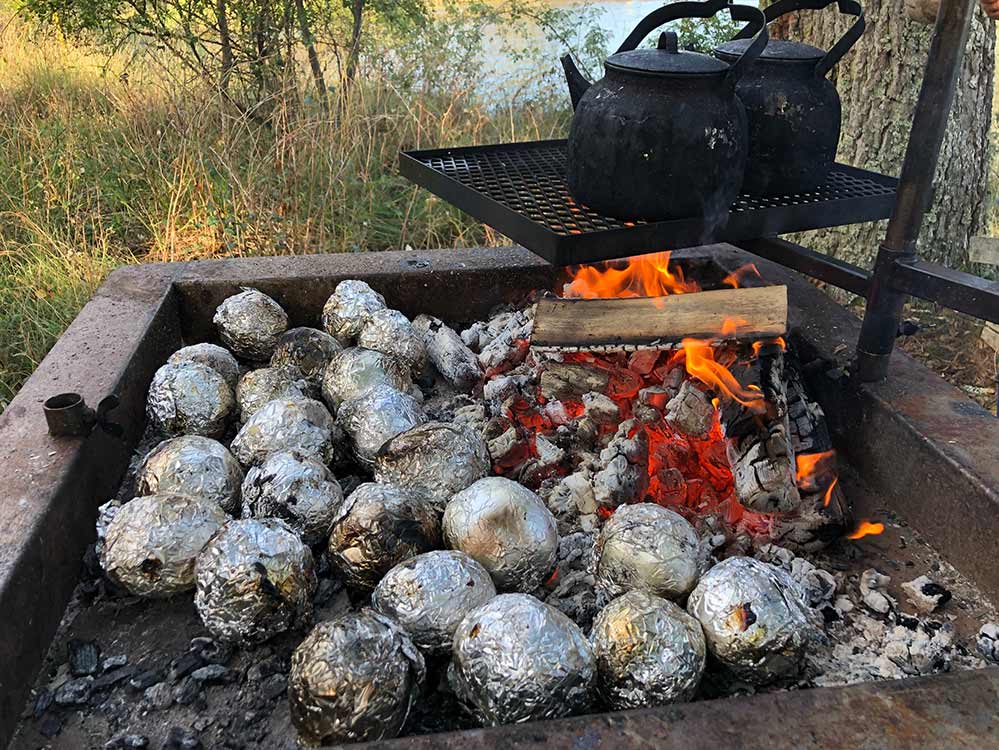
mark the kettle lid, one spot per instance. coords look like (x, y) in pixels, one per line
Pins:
(782, 50)
(666, 60)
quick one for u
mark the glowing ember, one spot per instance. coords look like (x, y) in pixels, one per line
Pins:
(866, 528)
(643, 276)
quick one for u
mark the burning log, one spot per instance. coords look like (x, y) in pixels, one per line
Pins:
(572, 381)
(624, 477)
(456, 363)
(629, 323)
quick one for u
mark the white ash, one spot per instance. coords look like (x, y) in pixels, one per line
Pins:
(819, 585)
(573, 503)
(872, 591)
(925, 594)
(572, 589)
(509, 347)
(988, 642)
(625, 474)
(455, 362)
(549, 454)
(690, 411)
(601, 408)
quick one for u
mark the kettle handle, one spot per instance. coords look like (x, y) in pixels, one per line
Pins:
(756, 27)
(845, 43)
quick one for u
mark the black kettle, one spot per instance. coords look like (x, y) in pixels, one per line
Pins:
(793, 109)
(662, 135)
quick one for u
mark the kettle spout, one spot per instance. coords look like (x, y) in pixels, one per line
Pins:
(577, 83)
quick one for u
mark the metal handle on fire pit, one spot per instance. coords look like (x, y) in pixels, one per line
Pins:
(756, 27)
(846, 42)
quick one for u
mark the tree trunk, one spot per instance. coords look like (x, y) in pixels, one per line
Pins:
(879, 82)
(357, 13)
(309, 42)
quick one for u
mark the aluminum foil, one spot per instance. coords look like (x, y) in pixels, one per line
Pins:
(376, 417)
(430, 594)
(649, 652)
(257, 387)
(255, 579)
(517, 659)
(383, 526)
(192, 465)
(507, 529)
(250, 324)
(308, 350)
(646, 547)
(353, 679)
(349, 308)
(151, 544)
(301, 425)
(297, 489)
(755, 617)
(390, 332)
(354, 371)
(437, 458)
(189, 399)
(211, 355)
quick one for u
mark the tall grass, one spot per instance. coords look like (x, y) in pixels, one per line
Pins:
(112, 160)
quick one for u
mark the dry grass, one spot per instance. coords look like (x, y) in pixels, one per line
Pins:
(110, 161)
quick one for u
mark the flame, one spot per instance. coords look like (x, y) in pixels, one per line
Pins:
(866, 528)
(735, 278)
(813, 467)
(779, 341)
(642, 276)
(701, 363)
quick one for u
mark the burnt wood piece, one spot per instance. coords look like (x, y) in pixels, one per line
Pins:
(603, 324)
(759, 440)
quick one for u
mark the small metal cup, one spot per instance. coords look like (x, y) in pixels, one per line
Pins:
(68, 415)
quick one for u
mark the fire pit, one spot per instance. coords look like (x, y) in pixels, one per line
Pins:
(894, 441)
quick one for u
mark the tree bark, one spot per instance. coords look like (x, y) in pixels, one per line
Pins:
(879, 82)
(309, 42)
(354, 53)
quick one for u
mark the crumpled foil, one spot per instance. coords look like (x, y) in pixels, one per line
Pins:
(390, 332)
(376, 417)
(250, 324)
(646, 547)
(430, 594)
(755, 617)
(302, 425)
(255, 579)
(307, 349)
(649, 652)
(257, 387)
(211, 355)
(297, 489)
(151, 544)
(349, 308)
(354, 679)
(354, 371)
(507, 529)
(437, 458)
(383, 526)
(189, 399)
(517, 659)
(192, 465)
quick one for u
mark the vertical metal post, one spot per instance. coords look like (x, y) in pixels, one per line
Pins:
(929, 123)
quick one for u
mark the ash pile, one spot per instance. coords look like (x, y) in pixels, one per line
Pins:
(448, 529)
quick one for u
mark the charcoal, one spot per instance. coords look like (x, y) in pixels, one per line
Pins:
(50, 725)
(109, 679)
(84, 657)
(187, 691)
(456, 363)
(211, 650)
(159, 696)
(264, 668)
(42, 703)
(925, 595)
(127, 742)
(872, 585)
(74, 692)
(213, 674)
(274, 686)
(988, 642)
(111, 663)
(690, 411)
(146, 679)
(180, 738)
(183, 665)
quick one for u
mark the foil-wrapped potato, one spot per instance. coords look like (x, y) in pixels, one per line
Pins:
(297, 489)
(189, 399)
(195, 466)
(349, 308)
(354, 371)
(255, 579)
(437, 458)
(383, 525)
(430, 594)
(517, 659)
(301, 425)
(390, 332)
(507, 529)
(376, 417)
(250, 324)
(646, 547)
(755, 618)
(307, 350)
(211, 355)
(258, 387)
(353, 679)
(648, 650)
(151, 544)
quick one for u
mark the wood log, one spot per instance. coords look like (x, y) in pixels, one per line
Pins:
(659, 322)
(758, 443)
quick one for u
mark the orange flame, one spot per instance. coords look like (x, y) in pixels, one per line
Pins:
(813, 467)
(735, 278)
(701, 363)
(642, 276)
(827, 498)
(866, 528)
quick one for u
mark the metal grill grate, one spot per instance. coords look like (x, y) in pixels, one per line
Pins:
(519, 190)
